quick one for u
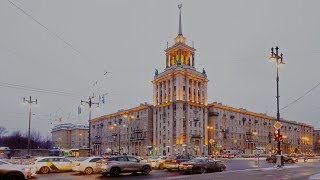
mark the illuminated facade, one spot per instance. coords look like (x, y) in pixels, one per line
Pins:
(180, 99)
(239, 129)
(133, 126)
(181, 121)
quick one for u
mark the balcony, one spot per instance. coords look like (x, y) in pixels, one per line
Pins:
(137, 130)
(135, 138)
(97, 140)
(196, 136)
(213, 114)
(196, 119)
(225, 130)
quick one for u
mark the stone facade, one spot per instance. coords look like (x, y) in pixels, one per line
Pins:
(133, 126)
(316, 141)
(70, 136)
(181, 121)
(239, 129)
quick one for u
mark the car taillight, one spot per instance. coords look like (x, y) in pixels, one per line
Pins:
(31, 163)
(190, 165)
(78, 164)
(174, 161)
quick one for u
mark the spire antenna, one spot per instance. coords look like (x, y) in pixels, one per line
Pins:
(180, 24)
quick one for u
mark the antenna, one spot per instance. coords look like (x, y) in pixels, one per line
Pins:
(167, 44)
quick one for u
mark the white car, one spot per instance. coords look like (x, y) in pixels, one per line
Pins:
(86, 165)
(10, 171)
(157, 161)
(45, 165)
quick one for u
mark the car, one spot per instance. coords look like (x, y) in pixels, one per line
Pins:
(173, 162)
(45, 165)
(123, 164)
(157, 162)
(10, 171)
(86, 165)
(287, 159)
(202, 165)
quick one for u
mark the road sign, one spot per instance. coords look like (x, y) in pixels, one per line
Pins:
(277, 125)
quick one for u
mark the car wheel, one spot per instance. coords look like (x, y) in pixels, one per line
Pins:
(115, 171)
(186, 172)
(14, 176)
(104, 174)
(203, 170)
(44, 170)
(290, 161)
(270, 161)
(161, 166)
(88, 170)
(145, 170)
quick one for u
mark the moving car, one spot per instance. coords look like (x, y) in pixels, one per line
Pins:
(202, 165)
(273, 159)
(173, 162)
(86, 165)
(122, 164)
(157, 162)
(52, 164)
(10, 171)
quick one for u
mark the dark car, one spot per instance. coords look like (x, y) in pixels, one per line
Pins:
(173, 162)
(273, 159)
(202, 165)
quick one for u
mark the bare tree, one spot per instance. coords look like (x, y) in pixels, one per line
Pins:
(3, 131)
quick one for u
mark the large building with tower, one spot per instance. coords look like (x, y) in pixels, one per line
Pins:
(181, 121)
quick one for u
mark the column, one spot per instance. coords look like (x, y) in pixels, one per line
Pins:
(193, 60)
(167, 91)
(205, 94)
(162, 92)
(171, 89)
(191, 89)
(196, 90)
(167, 58)
(158, 91)
(187, 89)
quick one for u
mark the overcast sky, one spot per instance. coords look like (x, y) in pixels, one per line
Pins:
(84, 39)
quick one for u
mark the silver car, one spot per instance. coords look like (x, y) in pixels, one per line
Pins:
(123, 164)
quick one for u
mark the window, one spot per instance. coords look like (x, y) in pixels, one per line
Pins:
(94, 159)
(122, 159)
(132, 159)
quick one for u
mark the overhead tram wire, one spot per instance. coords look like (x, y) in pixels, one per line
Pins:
(40, 90)
(39, 23)
(298, 99)
(51, 32)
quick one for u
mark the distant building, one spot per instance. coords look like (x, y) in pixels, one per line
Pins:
(70, 136)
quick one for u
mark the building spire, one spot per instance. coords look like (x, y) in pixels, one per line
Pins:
(180, 24)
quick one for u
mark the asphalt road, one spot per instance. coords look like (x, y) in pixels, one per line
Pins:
(236, 169)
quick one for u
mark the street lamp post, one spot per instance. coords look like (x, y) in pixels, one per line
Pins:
(129, 118)
(210, 128)
(275, 55)
(119, 131)
(90, 103)
(30, 101)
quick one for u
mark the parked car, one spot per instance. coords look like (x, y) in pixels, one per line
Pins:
(45, 165)
(10, 171)
(287, 159)
(157, 162)
(122, 164)
(202, 165)
(86, 165)
(173, 162)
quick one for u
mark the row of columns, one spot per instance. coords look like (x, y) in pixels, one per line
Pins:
(164, 90)
(170, 57)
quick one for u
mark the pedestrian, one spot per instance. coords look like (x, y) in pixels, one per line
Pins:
(304, 158)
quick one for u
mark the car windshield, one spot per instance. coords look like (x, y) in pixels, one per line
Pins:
(197, 160)
(155, 157)
(81, 159)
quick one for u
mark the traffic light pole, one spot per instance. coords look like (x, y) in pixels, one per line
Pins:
(278, 110)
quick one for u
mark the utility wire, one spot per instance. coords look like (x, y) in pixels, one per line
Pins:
(295, 101)
(39, 23)
(40, 90)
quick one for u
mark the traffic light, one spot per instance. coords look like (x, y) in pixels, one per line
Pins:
(276, 135)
